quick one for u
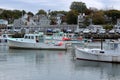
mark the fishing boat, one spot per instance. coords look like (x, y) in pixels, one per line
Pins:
(36, 41)
(68, 38)
(98, 54)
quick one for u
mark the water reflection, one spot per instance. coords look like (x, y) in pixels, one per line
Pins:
(52, 65)
(37, 56)
(98, 70)
(3, 52)
(3, 57)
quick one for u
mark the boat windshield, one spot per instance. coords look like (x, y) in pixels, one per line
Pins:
(29, 37)
(40, 38)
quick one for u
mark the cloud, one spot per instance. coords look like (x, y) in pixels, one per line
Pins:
(115, 4)
(44, 4)
(35, 5)
(31, 1)
(94, 3)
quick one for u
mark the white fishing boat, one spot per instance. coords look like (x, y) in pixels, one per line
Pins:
(35, 41)
(97, 54)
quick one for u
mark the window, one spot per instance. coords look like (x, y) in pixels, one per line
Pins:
(37, 37)
(60, 34)
(32, 37)
(4, 36)
(29, 37)
(26, 37)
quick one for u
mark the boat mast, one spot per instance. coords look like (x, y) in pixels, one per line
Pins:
(101, 43)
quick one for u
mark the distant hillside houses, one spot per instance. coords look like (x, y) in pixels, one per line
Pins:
(41, 20)
(37, 21)
(28, 21)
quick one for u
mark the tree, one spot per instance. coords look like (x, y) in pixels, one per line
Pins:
(71, 17)
(98, 17)
(23, 12)
(30, 13)
(114, 14)
(41, 12)
(90, 11)
(108, 27)
(10, 15)
(80, 7)
(54, 13)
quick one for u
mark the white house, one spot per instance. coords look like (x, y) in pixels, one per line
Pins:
(117, 26)
(28, 21)
(58, 20)
(80, 21)
(43, 20)
(40, 20)
(31, 23)
(3, 22)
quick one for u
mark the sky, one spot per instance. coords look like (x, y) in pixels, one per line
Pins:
(35, 5)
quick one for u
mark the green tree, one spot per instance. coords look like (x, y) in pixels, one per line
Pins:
(98, 17)
(30, 13)
(10, 15)
(54, 13)
(23, 12)
(114, 14)
(41, 12)
(71, 17)
(80, 7)
(108, 27)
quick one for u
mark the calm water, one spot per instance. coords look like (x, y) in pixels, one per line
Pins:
(52, 65)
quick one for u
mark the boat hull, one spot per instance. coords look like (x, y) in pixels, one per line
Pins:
(29, 45)
(102, 57)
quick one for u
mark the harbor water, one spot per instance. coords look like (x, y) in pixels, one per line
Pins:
(52, 65)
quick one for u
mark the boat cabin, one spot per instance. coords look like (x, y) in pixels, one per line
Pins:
(34, 37)
(64, 36)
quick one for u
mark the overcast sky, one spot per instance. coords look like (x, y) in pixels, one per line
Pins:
(35, 5)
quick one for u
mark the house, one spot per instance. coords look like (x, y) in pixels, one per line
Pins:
(60, 18)
(117, 26)
(95, 28)
(3, 23)
(27, 21)
(80, 20)
(43, 20)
